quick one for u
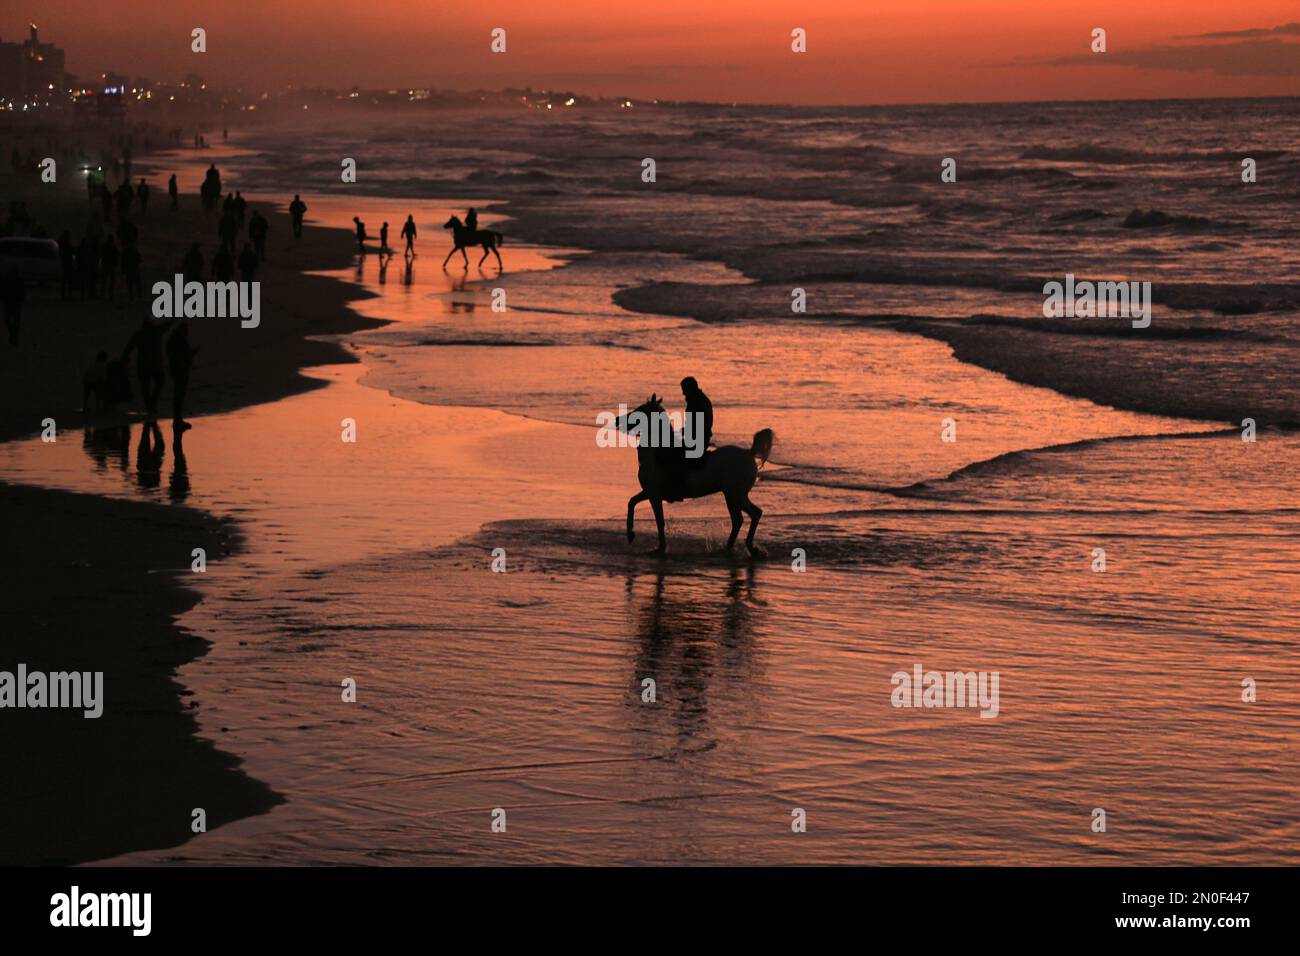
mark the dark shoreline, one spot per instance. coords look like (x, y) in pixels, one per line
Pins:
(97, 583)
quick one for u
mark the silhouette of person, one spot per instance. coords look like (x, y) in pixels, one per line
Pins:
(297, 209)
(361, 234)
(697, 403)
(239, 204)
(146, 342)
(180, 358)
(142, 194)
(471, 221)
(228, 229)
(257, 230)
(383, 239)
(223, 265)
(408, 233)
(248, 262)
(674, 459)
(13, 292)
(192, 264)
(131, 260)
(171, 191)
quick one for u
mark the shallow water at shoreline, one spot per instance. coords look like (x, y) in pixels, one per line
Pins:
(522, 690)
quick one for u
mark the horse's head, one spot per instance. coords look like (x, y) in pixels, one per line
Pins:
(452, 223)
(653, 405)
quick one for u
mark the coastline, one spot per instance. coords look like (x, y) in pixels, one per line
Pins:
(98, 576)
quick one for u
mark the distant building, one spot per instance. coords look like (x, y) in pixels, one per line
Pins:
(31, 69)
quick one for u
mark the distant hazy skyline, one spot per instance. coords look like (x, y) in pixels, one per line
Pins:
(891, 51)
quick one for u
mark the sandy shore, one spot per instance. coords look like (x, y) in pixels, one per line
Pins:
(93, 573)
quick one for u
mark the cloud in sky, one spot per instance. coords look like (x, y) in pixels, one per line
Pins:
(1286, 29)
(1253, 52)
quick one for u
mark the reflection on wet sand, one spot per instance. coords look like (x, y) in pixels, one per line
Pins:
(695, 638)
(109, 446)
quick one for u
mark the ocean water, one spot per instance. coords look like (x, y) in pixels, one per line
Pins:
(1120, 689)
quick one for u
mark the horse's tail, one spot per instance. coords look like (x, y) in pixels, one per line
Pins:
(762, 446)
(501, 240)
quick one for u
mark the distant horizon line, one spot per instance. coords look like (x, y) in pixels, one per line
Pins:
(660, 100)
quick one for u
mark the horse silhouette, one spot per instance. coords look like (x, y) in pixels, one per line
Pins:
(462, 236)
(730, 471)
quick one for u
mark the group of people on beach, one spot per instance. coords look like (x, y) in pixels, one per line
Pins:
(107, 383)
(408, 233)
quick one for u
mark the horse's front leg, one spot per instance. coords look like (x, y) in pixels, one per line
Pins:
(658, 505)
(449, 255)
(632, 502)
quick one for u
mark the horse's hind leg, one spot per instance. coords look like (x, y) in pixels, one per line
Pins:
(733, 506)
(754, 512)
(658, 505)
(486, 251)
(500, 267)
(632, 502)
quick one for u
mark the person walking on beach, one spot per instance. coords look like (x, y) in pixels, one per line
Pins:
(383, 240)
(142, 194)
(361, 235)
(228, 230)
(13, 292)
(146, 342)
(171, 191)
(192, 264)
(210, 191)
(180, 358)
(257, 229)
(223, 266)
(297, 209)
(248, 264)
(408, 233)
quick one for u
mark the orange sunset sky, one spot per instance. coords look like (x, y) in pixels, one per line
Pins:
(859, 51)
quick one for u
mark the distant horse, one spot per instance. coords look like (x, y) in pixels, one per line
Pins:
(463, 236)
(730, 471)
